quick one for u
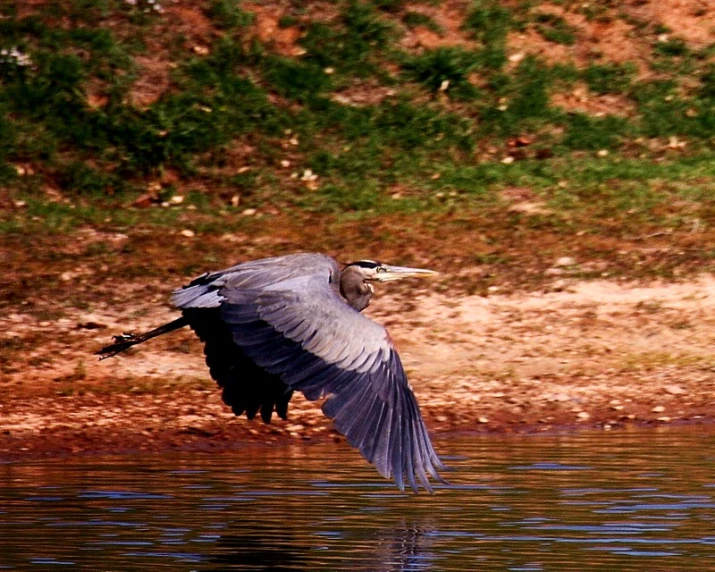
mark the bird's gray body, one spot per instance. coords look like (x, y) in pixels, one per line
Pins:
(280, 324)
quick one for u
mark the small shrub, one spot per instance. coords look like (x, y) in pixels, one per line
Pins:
(415, 19)
(389, 5)
(707, 84)
(447, 64)
(286, 21)
(490, 23)
(355, 195)
(349, 47)
(295, 79)
(664, 113)
(609, 78)
(555, 29)
(411, 127)
(590, 133)
(324, 45)
(531, 86)
(80, 178)
(365, 32)
(517, 98)
(227, 14)
(671, 48)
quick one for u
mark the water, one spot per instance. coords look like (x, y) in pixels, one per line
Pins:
(623, 500)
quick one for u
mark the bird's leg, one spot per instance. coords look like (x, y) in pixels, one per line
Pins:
(129, 339)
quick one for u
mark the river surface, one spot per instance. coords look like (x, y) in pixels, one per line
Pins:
(626, 500)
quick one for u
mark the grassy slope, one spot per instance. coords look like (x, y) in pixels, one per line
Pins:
(450, 133)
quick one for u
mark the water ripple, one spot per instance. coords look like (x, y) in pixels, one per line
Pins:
(629, 502)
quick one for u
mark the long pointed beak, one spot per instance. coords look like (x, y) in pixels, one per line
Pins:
(400, 272)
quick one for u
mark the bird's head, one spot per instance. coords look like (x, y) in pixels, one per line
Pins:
(371, 271)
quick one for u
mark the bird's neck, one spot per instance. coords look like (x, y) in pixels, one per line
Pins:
(355, 290)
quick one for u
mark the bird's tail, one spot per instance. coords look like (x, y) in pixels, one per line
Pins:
(128, 340)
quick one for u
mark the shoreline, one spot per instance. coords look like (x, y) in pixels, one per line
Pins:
(594, 354)
(151, 427)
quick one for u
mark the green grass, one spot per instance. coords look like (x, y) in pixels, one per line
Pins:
(598, 191)
(363, 112)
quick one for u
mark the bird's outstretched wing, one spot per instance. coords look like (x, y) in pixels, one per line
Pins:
(294, 324)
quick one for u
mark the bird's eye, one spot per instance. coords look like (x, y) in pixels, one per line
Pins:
(380, 269)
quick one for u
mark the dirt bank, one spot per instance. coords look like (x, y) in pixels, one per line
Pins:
(576, 354)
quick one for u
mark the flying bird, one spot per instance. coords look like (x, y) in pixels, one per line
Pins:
(277, 325)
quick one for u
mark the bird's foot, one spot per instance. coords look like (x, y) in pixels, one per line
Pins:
(124, 337)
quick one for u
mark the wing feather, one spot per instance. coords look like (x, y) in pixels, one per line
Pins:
(381, 455)
(395, 446)
(408, 450)
(378, 424)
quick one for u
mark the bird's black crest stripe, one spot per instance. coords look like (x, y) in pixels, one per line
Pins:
(365, 264)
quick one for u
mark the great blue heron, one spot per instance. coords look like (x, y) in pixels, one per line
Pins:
(275, 325)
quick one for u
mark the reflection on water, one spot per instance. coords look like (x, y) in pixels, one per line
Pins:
(640, 500)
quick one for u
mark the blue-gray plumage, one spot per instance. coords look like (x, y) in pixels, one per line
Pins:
(293, 322)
